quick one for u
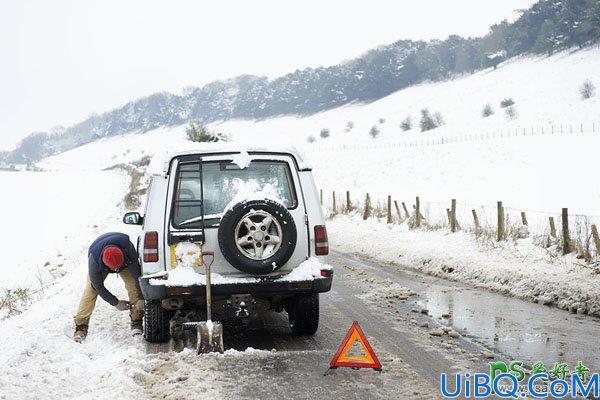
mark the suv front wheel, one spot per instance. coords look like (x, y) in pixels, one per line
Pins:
(156, 322)
(303, 314)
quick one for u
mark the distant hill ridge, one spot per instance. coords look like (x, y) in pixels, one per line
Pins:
(547, 26)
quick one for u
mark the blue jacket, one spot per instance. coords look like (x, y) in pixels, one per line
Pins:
(98, 271)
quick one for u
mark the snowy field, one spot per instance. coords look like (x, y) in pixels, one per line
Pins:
(541, 172)
(48, 218)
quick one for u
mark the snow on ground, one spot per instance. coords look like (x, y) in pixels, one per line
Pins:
(540, 173)
(48, 218)
(522, 269)
(40, 359)
(61, 211)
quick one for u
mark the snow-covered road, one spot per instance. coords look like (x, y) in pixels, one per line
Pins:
(40, 359)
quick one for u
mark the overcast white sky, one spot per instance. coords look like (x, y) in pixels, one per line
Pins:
(63, 60)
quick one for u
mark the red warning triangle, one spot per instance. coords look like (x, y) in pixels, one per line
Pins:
(345, 357)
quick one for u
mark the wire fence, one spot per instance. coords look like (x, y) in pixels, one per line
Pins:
(560, 232)
(427, 140)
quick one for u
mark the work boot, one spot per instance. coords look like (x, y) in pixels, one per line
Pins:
(136, 328)
(80, 333)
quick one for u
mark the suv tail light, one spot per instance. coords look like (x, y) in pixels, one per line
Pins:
(321, 243)
(151, 246)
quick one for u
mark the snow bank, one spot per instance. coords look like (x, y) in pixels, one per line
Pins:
(522, 269)
(248, 351)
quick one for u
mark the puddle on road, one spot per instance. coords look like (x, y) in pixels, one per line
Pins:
(515, 328)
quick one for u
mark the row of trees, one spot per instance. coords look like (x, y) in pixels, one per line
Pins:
(545, 27)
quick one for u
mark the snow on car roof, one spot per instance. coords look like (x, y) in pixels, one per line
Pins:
(212, 148)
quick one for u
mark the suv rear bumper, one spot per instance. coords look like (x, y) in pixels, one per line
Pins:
(262, 287)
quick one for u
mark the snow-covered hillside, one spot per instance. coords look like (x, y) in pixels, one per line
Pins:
(541, 172)
(545, 90)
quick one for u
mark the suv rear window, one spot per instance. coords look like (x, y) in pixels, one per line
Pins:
(224, 181)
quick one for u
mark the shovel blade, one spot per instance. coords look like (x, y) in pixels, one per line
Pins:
(210, 337)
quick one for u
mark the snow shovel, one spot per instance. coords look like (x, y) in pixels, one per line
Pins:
(210, 334)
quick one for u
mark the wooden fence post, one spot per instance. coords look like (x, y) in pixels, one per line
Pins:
(524, 218)
(398, 212)
(321, 197)
(501, 223)
(334, 206)
(552, 227)
(418, 212)
(449, 214)
(348, 202)
(389, 210)
(596, 239)
(406, 213)
(367, 210)
(476, 223)
(566, 240)
(453, 222)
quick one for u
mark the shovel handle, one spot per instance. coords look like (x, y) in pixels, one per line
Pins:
(207, 259)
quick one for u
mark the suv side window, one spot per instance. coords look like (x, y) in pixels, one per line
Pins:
(224, 182)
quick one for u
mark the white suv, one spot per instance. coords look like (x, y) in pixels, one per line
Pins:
(259, 212)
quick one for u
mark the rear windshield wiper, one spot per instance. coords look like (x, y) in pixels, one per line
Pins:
(196, 219)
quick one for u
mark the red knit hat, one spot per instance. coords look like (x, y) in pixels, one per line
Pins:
(113, 257)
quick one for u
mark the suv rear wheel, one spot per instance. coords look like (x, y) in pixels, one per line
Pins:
(304, 314)
(156, 322)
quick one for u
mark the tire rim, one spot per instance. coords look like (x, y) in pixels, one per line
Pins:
(258, 235)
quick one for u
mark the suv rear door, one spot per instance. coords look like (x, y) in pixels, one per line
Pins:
(224, 181)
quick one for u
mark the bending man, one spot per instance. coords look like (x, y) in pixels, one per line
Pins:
(111, 253)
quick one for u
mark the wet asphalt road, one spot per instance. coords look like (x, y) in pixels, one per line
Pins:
(388, 302)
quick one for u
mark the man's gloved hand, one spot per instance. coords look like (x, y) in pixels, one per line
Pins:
(122, 305)
(140, 305)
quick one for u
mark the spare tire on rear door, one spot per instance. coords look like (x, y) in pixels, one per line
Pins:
(257, 236)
